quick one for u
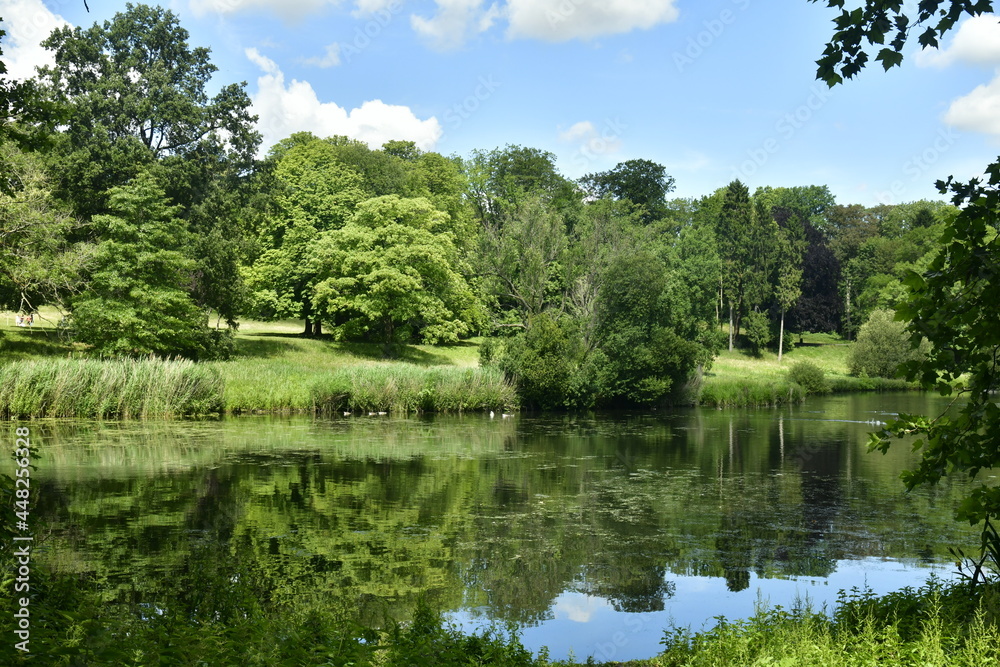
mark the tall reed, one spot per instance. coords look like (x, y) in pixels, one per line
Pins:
(109, 389)
(409, 388)
(750, 393)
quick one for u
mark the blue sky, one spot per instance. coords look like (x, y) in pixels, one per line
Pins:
(712, 90)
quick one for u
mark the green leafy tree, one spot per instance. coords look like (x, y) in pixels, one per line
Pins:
(130, 95)
(544, 362)
(746, 236)
(732, 228)
(501, 180)
(136, 93)
(791, 252)
(38, 264)
(382, 173)
(392, 274)
(643, 182)
(136, 301)
(314, 192)
(644, 360)
(17, 100)
(953, 304)
(758, 330)
(606, 230)
(883, 345)
(522, 261)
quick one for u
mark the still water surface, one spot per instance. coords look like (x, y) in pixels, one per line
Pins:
(592, 534)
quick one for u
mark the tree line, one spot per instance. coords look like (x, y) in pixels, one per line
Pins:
(135, 202)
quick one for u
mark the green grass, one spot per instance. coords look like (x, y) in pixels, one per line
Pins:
(739, 379)
(108, 389)
(933, 625)
(274, 370)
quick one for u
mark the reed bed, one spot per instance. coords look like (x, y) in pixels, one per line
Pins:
(139, 389)
(750, 393)
(109, 389)
(405, 388)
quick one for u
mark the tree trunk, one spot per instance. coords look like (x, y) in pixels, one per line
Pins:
(847, 308)
(307, 332)
(718, 305)
(730, 326)
(317, 329)
(781, 335)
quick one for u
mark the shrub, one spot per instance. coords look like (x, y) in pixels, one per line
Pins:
(810, 377)
(542, 362)
(757, 330)
(489, 351)
(882, 345)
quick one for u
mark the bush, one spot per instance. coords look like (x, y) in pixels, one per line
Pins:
(542, 362)
(810, 377)
(489, 352)
(757, 329)
(883, 344)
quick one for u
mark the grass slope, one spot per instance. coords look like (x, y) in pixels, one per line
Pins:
(738, 379)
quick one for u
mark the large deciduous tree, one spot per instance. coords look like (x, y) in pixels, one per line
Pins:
(314, 192)
(643, 182)
(136, 93)
(37, 262)
(130, 96)
(746, 234)
(391, 274)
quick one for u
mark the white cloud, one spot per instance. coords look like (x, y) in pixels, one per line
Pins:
(977, 42)
(284, 109)
(330, 58)
(27, 23)
(366, 7)
(593, 141)
(578, 607)
(289, 10)
(548, 20)
(582, 130)
(454, 22)
(562, 20)
(979, 111)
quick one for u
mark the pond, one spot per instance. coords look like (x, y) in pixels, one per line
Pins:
(591, 533)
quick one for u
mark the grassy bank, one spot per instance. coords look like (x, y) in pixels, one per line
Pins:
(934, 625)
(739, 379)
(276, 370)
(273, 370)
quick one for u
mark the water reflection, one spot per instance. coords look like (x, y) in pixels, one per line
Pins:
(615, 524)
